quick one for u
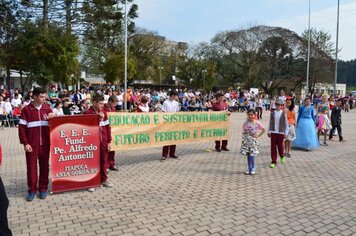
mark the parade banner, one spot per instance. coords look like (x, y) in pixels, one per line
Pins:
(75, 152)
(140, 130)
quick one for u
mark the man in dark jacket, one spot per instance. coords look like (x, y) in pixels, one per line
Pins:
(336, 120)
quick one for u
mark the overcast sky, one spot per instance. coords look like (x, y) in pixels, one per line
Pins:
(194, 21)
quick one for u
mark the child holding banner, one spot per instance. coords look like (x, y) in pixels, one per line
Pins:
(252, 130)
(220, 105)
(105, 137)
(111, 107)
(34, 135)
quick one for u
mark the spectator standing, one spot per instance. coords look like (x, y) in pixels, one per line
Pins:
(170, 105)
(220, 105)
(53, 96)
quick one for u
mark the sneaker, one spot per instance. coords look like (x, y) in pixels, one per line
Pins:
(225, 149)
(283, 159)
(175, 157)
(218, 149)
(272, 165)
(107, 184)
(247, 172)
(253, 172)
(325, 144)
(43, 195)
(114, 168)
(30, 197)
(91, 189)
(163, 159)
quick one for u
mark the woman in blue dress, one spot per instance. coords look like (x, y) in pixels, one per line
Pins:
(305, 130)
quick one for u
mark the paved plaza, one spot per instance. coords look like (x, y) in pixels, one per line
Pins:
(200, 193)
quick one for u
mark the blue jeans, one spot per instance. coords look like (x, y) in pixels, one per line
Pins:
(251, 163)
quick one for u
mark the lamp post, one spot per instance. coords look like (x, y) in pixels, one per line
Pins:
(308, 60)
(204, 72)
(337, 45)
(125, 70)
(160, 68)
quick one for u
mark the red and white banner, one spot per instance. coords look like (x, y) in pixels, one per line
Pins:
(75, 152)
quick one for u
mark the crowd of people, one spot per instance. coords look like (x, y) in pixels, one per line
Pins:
(64, 102)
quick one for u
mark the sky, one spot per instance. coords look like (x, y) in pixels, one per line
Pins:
(195, 21)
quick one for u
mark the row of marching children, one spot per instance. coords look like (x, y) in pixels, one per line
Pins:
(288, 129)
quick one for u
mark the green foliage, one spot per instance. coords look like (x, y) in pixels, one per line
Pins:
(103, 40)
(113, 68)
(347, 73)
(47, 54)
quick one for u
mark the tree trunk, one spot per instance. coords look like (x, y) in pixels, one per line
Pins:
(68, 16)
(45, 13)
(7, 78)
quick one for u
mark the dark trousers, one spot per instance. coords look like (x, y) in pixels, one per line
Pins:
(169, 150)
(277, 141)
(339, 131)
(259, 111)
(40, 153)
(111, 159)
(103, 162)
(4, 204)
(220, 144)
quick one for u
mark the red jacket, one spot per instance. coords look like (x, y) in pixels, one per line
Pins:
(108, 109)
(34, 125)
(105, 130)
(219, 106)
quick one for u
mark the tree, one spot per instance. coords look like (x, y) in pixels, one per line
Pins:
(321, 57)
(103, 33)
(197, 69)
(48, 54)
(276, 60)
(149, 51)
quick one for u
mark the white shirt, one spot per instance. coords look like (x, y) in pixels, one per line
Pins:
(106, 98)
(7, 107)
(16, 102)
(145, 108)
(170, 106)
(58, 112)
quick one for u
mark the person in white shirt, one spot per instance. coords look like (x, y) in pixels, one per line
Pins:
(7, 106)
(2, 113)
(170, 105)
(282, 96)
(16, 101)
(278, 132)
(58, 110)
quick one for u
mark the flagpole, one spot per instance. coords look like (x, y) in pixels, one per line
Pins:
(125, 70)
(308, 59)
(337, 46)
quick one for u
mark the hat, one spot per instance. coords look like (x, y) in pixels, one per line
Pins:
(279, 101)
